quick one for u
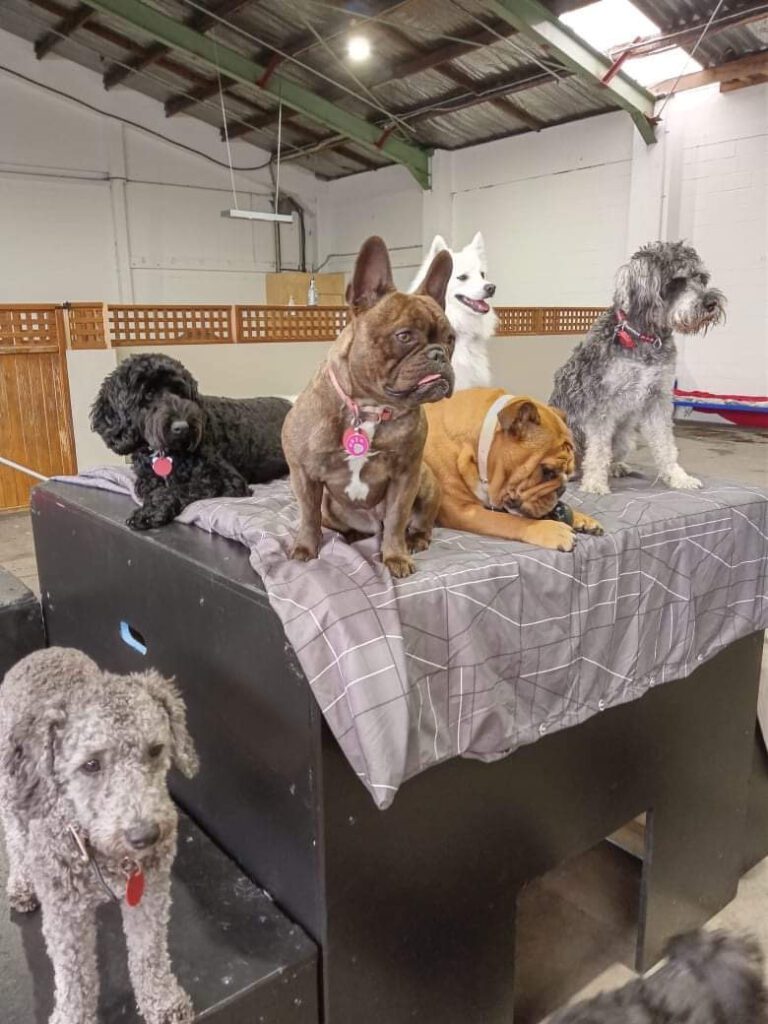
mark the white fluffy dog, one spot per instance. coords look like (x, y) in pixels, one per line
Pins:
(468, 309)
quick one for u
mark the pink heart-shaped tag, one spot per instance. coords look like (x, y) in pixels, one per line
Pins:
(162, 465)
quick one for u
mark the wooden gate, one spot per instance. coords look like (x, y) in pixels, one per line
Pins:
(35, 417)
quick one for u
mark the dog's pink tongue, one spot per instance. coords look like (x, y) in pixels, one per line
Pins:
(481, 306)
(428, 379)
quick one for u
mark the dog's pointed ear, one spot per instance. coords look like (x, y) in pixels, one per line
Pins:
(518, 416)
(372, 277)
(438, 245)
(435, 283)
(168, 697)
(478, 244)
(28, 760)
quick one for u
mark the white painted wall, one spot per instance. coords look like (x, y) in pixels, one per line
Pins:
(561, 210)
(723, 209)
(93, 209)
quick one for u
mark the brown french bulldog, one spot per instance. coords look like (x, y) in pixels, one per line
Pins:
(355, 436)
(494, 454)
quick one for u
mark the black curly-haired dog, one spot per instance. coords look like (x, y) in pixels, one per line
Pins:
(185, 446)
(709, 978)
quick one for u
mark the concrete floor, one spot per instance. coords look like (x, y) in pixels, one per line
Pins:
(579, 921)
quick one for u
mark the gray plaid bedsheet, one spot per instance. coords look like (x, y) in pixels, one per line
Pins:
(492, 644)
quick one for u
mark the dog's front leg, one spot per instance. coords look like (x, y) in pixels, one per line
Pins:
(309, 495)
(160, 998)
(401, 495)
(598, 441)
(656, 426)
(21, 891)
(234, 484)
(471, 516)
(69, 927)
(161, 503)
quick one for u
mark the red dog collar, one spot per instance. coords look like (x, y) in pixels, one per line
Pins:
(627, 336)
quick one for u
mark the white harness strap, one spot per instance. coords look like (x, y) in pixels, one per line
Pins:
(487, 432)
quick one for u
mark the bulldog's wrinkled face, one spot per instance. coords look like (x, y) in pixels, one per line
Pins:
(400, 346)
(402, 350)
(531, 458)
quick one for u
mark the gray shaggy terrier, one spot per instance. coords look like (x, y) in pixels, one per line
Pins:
(709, 978)
(87, 818)
(620, 379)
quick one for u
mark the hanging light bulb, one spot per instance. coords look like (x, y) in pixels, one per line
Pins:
(358, 48)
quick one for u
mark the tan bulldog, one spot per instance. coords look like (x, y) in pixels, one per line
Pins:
(502, 463)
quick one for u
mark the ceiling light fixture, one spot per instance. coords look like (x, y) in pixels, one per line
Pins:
(358, 48)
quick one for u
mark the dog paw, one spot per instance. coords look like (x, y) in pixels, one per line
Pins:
(417, 542)
(400, 566)
(551, 534)
(169, 1005)
(586, 524)
(22, 898)
(619, 469)
(180, 1012)
(141, 519)
(680, 480)
(592, 485)
(304, 552)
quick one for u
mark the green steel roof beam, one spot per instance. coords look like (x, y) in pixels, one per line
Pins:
(219, 57)
(534, 21)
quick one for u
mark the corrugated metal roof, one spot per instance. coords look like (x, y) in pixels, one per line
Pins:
(723, 41)
(449, 73)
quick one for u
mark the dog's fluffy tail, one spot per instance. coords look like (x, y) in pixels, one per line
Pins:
(729, 967)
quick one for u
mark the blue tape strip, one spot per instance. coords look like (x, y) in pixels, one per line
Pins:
(127, 636)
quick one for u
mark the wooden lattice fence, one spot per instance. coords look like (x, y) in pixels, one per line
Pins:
(97, 325)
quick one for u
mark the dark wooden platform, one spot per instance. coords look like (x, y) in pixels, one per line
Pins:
(239, 958)
(21, 623)
(413, 908)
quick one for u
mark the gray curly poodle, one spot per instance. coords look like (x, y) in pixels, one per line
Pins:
(87, 818)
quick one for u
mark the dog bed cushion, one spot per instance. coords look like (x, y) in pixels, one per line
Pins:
(493, 644)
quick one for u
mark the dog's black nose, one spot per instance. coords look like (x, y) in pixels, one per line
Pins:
(145, 834)
(490, 289)
(436, 354)
(179, 428)
(711, 305)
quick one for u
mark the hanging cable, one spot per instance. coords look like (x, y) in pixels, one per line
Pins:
(224, 125)
(126, 120)
(691, 55)
(279, 144)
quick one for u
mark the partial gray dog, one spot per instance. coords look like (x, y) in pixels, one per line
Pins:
(620, 379)
(87, 818)
(708, 978)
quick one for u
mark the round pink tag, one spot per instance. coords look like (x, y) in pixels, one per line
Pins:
(162, 465)
(355, 442)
